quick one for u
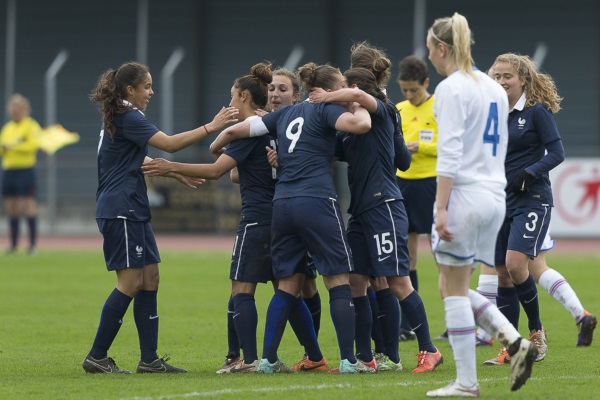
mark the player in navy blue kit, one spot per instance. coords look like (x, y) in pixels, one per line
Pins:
(378, 225)
(251, 258)
(534, 148)
(123, 212)
(306, 215)
(384, 305)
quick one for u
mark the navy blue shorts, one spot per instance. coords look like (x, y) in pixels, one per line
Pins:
(18, 183)
(523, 230)
(311, 270)
(378, 239)
(127, 244)
(308, 223)
(419, 196)
(251, 258)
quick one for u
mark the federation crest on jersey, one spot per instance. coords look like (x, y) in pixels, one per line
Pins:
(521, 122)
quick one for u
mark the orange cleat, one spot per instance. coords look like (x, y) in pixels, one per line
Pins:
(427, 361)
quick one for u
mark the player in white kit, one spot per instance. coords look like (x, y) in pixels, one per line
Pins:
(471, 112)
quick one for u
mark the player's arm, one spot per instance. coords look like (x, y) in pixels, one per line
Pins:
(402, 155)
(442, 195)
(188, 181)
(357, 123)
(173, 143)
(220, 167)
(352, 95)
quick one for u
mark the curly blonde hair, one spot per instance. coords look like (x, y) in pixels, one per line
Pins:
(539, 87)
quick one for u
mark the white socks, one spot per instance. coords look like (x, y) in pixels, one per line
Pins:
(461, 334)
(558, 287)
(492, 320)
(488, 288)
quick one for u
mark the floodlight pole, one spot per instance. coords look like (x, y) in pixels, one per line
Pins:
(167, 103)
(50, 108)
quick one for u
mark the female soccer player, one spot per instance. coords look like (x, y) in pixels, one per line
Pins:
(471, 112)
(306, 215)
(251, 258)
(534, 148)
(384, 305)
(123, 212)
(377, 230)
(18, 148)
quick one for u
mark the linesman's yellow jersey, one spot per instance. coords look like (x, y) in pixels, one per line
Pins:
(419, 125)
(19, 143)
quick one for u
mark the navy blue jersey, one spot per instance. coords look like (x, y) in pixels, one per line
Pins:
(306, 140)
(370, 158)
(529, 131)
(257, 177)
(122, 189)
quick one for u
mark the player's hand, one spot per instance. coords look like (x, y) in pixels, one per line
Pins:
(157, 167)
(522, 182)
(441, 227)
(317, 95)
(188, 181)
(260, 112)
(413, 147)
(223, 118)
(272, 157)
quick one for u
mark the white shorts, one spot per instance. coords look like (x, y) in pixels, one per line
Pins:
(548, 243)
(474, 217)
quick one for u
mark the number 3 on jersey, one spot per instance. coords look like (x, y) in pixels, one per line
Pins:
(490, 133)
(293, 132)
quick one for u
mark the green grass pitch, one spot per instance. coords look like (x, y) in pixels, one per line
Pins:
(50, 305)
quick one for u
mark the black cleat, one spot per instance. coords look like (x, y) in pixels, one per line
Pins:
(522, 356)
(159, 366)
(104, 366)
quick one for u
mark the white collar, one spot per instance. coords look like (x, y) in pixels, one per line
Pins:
(127, 103)
(520, 105)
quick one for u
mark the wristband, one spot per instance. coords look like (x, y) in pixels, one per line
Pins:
(206, 130)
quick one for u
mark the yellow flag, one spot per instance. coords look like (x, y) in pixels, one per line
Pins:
(56, 137)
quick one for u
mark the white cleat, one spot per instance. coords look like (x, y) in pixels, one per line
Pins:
(455, 389)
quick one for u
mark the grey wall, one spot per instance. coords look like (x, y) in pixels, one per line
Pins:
(223, 39)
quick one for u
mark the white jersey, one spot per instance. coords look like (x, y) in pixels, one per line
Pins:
(472, 119)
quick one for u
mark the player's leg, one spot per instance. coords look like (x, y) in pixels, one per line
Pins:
(559, 288)
(413, 242)
(487, 287)
(145, 307)
(11, 207)
(29, 206)
(122, 258)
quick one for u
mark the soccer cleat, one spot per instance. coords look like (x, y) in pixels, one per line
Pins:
(104, 366)
(371, 364)
(230, 359)
(538, 338)
(241, 366)
(503, 358)
(346, 367)
(385, 364)
(306, 365)
(406, 335)
(278, 367)
(427, 361)
(443, 336)
(586, 325)
(159, 366)
(454, 389)
(523, 354)
(480, 342)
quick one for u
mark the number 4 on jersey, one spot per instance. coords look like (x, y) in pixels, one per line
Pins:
(490, 133)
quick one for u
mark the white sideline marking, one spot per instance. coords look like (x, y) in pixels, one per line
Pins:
(214, 393)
